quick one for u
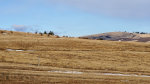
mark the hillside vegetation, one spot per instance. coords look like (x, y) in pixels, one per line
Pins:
(31, 58)
(120, 36)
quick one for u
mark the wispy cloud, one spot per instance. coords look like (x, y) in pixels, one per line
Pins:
(21, 28)
(119, 8)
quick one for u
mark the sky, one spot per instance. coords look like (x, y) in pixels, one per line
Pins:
(75, 17)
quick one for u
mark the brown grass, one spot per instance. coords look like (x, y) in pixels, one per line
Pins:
(54, 53)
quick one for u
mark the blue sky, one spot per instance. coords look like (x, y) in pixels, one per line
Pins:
(75, 17)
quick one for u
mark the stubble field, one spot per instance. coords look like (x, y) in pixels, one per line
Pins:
(34, 59)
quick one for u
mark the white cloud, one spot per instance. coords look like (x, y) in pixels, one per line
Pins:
(22, 28)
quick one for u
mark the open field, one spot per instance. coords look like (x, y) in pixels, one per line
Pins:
(31, 59)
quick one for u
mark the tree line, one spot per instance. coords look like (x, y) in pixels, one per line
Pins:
(46, 33)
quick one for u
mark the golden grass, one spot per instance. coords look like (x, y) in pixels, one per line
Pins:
(71, 53)
(144, 35)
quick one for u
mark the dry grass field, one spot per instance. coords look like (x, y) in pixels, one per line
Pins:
(33, 59)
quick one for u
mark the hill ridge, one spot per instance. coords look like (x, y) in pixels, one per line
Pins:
(119, 36)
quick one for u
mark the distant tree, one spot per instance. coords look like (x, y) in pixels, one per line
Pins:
(100, 39)
(140, 32)
(66, 36)
(36, 32)
(143, 33)
(51, 33)
(137, 32)
(45, 32)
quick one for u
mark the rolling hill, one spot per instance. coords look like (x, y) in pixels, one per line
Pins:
(120, 36)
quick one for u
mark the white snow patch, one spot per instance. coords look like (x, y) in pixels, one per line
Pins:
(9, 49)
(109, 74)
(13, 50)
(18, 50)
(116, 74)
(113, 74)
(4, 33)
(67, 72)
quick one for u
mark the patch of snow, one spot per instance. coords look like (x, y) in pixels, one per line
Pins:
(18, 50)
(14, 50)
(119, 40)
(9, 49)
(144, 76)
(113, 74)
(73, 72)
(109, 74)
(116, 74)
(67, 72)
(4, 33)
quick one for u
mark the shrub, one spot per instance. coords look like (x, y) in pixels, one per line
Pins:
(143, 33)
(65, 36)
(137, 32)
(11, 32)
(2, 32)
(41, 34)
(140, 32)
(51, 33)
(57, 36)
(83, 37)
(36, 32)
(45, 32)
(100, 39)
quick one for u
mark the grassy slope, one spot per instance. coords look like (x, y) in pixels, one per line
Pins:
(67, 54)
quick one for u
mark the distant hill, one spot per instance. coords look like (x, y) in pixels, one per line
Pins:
(26, 34)
(119, 36)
